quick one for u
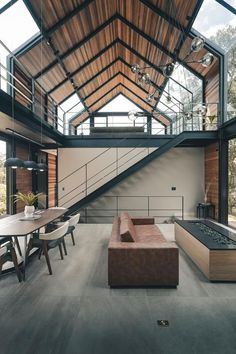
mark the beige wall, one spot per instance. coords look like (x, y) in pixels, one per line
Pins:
(72, 188)
(182, 168)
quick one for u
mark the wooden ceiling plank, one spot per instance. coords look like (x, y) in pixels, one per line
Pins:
(78, 45)
(86, 64)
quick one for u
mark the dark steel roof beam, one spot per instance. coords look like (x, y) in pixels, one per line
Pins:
(82, 67)
(77, 45)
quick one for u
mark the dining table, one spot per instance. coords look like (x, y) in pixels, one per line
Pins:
(18, 225)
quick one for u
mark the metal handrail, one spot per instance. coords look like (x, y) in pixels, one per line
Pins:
(94, 158)
(85, 183)
(33, 100)
(149, 211)
(100, 179)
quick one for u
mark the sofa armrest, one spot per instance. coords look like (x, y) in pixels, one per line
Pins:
(143, 221)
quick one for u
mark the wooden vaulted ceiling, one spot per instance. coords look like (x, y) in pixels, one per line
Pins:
(88, 46)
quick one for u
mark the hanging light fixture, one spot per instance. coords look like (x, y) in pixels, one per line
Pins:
(30, 164)
(143, 78)
(132, 115)
(14, 163)
(207, 60)
(135, 68)
(168, 69)
(42, 167)
(197, 44)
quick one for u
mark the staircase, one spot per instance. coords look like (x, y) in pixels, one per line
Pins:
(172, 142)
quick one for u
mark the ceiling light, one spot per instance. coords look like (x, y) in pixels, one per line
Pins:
(14, 163)
(197, 44)
(42, 167)
(207, 60)
(30, 165)
(135, 68)
(168, 69)
(132, 115)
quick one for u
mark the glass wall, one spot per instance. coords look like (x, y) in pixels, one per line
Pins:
(218, 24)
(232, 183)
(3, 199)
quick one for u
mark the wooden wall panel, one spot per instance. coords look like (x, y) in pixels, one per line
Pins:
(52, 179)
(212, 88)
(23, 176)
(212, 175)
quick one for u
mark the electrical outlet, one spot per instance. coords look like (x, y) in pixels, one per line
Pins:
(173, 188)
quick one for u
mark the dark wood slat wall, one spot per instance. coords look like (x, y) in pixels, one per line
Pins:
(212, 88)
(212, 175)
(23, 176)
(52, 179)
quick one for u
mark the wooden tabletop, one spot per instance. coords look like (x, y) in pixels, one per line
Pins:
(13, 226)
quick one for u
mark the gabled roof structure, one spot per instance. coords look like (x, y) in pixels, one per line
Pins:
(88, 47)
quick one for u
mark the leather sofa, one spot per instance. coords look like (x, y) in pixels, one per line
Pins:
(144, 257)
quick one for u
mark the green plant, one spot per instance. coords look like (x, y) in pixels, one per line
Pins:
(211, 118)
(27, 198)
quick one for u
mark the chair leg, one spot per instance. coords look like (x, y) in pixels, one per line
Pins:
(17, 245)
(60, 249)
(72, 237)
(29, 248)
(64, 246)
(14, 260)
(45, 251)
(40, 253)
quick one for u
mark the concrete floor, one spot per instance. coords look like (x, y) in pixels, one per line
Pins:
(74, 311)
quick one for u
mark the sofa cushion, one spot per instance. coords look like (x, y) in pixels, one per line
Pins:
(127, 231)
(148, 233)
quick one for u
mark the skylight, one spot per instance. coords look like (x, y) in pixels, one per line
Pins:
(120, 104)
(213, 17)
(16, 25)
(3, 3)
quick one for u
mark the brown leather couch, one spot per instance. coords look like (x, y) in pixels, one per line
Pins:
(144, 257)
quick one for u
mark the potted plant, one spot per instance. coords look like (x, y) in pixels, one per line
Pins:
(29, 199)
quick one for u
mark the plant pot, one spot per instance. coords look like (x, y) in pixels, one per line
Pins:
(29, 210)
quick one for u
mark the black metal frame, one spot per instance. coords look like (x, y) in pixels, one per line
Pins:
(7, 6)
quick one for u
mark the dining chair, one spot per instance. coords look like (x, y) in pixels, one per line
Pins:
(73, 221)
(8, 254)
(15, 238)
(48, 240)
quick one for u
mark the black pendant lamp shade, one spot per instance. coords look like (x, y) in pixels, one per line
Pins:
(42, 167)
(14, 162)
(30, 165)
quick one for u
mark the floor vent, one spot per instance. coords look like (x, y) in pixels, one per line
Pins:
(163, 323)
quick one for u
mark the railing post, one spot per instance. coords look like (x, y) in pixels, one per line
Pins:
(116, 160)
(148, 205)
(86, 180)
(33, 95)
(182, 207)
